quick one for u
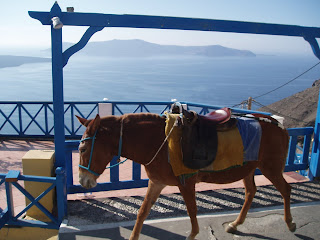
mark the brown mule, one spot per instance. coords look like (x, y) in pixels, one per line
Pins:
(142, 135)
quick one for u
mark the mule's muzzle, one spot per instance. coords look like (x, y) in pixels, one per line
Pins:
(87, 180)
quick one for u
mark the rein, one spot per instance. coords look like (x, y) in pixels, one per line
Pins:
(164, 141)
(92, 147)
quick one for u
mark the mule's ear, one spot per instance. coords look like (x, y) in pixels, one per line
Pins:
(94, 125)
(189, 117)
(83, 121)
(187, 114)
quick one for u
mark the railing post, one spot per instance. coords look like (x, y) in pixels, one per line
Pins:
(292, 150)
(46, 119)
(12, 176)
(10, 205)
(114, 171)
(136, 171)
(72, 119)
(20, 119)
(70, 146)
(61, 193)
(314, 168)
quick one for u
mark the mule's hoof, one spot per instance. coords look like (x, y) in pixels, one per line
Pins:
(230, 228)
(190, 237)
(292, 227)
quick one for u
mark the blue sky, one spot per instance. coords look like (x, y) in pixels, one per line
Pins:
(19, 31)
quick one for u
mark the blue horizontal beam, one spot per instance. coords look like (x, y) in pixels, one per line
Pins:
(300, 131)
(177, 23)
(31, 178)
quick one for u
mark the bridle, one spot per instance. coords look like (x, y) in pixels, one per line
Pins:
(92, 147)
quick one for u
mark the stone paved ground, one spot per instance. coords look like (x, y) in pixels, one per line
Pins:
(118, 209)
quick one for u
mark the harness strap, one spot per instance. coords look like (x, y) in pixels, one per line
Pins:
(120, 141)
(92, 147)
(91, 152)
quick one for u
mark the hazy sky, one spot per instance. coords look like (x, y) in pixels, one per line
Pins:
(19, 31)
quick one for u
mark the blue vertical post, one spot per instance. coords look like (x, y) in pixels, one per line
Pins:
(61, 193)
(57, 86)
(9, 195)
(314, 168)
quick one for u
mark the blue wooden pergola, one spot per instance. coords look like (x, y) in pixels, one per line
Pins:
(96, 22)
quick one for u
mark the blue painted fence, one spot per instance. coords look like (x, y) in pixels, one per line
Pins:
(35, 119)
(10, 180)
(40, 124)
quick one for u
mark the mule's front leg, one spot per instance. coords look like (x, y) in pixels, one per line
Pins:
(189, 196)
(250, 191)
(153, 193)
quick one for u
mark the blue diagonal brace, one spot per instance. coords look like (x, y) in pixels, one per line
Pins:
(314, 45)
(81, 44)
(35, 201)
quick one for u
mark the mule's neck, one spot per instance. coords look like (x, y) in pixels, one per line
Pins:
(142, 136)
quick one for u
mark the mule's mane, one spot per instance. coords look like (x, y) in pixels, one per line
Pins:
(141, 117)
(109, 120)
(132, 119)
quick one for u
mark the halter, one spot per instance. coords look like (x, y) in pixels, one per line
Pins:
(92, 147)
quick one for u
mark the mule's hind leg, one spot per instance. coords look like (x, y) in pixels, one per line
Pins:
(153, 193)
(250, 191)
(189, 195)
(285, 189)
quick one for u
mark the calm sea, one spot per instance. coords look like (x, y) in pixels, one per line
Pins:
(217, 81)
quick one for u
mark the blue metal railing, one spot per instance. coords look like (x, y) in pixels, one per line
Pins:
(35, 119)
(298, 157)
(7, 216)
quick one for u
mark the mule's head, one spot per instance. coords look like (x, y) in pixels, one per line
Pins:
(94, 150)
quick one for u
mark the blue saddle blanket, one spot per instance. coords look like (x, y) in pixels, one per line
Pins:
(250, 131)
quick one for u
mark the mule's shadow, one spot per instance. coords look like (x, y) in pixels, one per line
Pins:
(253, 235)
(303, 237)
(158, 233)
(258, 236)
(117, 233)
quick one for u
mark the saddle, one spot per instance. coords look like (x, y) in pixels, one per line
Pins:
(199, 142)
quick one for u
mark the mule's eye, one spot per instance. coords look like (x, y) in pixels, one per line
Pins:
(82, 150)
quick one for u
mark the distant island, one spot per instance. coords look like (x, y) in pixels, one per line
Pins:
(140, 48)
(15, 61)
(132, 48)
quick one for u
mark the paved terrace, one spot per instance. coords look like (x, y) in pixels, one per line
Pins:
(86, 211)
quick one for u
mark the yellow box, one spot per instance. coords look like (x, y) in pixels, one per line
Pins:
(39, 163)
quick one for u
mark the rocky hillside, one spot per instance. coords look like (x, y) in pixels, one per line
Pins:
(299, 110)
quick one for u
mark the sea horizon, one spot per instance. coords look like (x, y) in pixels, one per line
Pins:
(224, 81)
